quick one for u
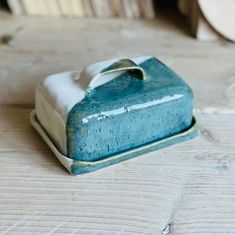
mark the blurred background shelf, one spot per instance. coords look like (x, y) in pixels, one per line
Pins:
(83, 8)
(208, 20)
(32, 48)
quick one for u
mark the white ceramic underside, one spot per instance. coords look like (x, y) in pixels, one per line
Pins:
(67, 162)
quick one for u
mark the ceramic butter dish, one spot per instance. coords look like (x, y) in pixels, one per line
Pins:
(112, 111)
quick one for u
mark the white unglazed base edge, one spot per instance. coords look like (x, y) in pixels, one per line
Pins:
(66, 162)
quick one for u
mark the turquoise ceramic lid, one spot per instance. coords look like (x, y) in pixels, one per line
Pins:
(144, 104)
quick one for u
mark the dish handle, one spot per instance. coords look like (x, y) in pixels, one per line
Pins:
(93, 75)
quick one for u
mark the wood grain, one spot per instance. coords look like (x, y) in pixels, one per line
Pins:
(184, 189)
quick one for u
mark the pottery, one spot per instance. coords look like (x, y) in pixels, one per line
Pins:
(113, 111)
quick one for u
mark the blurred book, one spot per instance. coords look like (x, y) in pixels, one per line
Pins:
(131, 8)
(102, 8)
(117, 8)
(147, 8)
(84, 8)
(16, 7)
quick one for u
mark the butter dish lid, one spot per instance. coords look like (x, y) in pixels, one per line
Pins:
(57, 94)
(112, 108)
(135, 108)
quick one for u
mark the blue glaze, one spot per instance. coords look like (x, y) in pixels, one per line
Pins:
(78, 168)
(127, 113)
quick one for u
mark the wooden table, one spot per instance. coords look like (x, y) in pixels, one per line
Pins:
(184, 189)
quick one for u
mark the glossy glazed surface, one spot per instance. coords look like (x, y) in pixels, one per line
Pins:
(127, 112)
(80, 167)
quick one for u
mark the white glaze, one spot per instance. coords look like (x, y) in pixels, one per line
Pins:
(57, 94)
